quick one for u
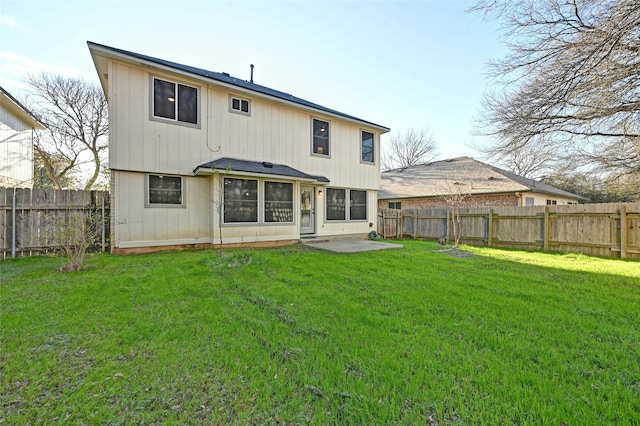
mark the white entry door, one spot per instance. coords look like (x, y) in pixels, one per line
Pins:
(307, 210)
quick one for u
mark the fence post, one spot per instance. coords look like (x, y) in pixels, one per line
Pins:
(545, 229)
(490, 229)
(13, 224)
(398, 223)
(384, 225)
(447, 227)
(415, 224)
(103, 226)
(623, 232)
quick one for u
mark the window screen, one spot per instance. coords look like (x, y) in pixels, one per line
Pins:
(367, 147)
(165, 190)
(320, 137)
(278, 202)
(336, 204)
(240, 200)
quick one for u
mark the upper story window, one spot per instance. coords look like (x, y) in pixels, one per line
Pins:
(174, 101)
(366, 147)
(164, 191)
(239, 105)
(320, 137)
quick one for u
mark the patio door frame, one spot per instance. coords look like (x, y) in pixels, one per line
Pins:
(309, 209)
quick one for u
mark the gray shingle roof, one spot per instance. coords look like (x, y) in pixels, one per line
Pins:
(226, 78)
(267, 168)
(436, 179)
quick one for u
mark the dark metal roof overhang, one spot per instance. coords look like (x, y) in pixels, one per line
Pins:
(237, 167)
(217, 78)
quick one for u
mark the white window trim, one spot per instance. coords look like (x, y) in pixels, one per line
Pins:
(152, 117)
(328, 138)
(183, 191)
(371, 163)
(236, 111)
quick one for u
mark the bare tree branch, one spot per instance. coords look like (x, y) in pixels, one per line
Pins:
(409, 148)
(75, 114)
(571, 81)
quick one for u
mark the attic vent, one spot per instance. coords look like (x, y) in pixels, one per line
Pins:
(226, 74)
(491, 178)
(267, 164)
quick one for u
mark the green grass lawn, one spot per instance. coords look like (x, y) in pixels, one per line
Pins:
(412, 336)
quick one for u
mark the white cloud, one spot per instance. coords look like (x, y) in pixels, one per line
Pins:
(14, 64)
(9, 22)
(14, 68)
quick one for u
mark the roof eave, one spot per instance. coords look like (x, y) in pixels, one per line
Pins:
(13, 105)
(206, 171)
(105, 51)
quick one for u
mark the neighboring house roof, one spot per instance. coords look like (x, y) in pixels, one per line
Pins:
(233, 166)
(470, 177)
(221, 79)
(13, 105)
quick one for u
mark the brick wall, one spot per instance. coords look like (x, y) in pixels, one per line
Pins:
(489, 200)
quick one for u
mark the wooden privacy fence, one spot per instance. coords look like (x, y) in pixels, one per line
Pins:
(611, 230)
(28, 218)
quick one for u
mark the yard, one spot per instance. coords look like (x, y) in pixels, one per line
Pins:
(298, 336)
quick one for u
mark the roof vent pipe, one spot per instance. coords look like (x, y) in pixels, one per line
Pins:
(251, 81)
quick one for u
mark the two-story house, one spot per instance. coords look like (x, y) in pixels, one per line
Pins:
(17, 127)
(200, 157)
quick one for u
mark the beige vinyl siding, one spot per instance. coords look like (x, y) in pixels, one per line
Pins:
(140, 226)
(141, 144)
(16, 151)
(274, 132)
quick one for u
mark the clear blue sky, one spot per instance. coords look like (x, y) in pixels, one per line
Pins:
(400, 64)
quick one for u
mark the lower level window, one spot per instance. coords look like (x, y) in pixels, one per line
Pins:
(278, 202)
(357, 205)
(240, 200)
(397, 205)
(335, 204)
(164, 190)
(338, 199)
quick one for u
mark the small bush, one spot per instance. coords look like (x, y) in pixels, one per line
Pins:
(71, 233)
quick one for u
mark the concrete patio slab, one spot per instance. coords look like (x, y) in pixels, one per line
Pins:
(350, 245)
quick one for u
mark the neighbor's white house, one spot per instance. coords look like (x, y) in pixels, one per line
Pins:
(17, 125)
(200, 157)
